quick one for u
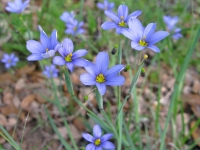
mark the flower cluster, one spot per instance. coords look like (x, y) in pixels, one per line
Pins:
(171, 26)
(50, 71)
(105, 5)
(9, 60)
(73, 26)
(97, 141)
(141, 37)
(17, 6)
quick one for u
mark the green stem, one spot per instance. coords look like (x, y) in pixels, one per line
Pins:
(120, 120)
(62, 114)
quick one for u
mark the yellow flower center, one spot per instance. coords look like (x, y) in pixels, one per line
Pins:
(68, 58)
(100, 78)
(97, 142)
(74, 28)
(47, 49)
(122, 23)
(142, 42)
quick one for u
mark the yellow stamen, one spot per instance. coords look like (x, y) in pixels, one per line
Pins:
(100, 78)
(74, 28)
(142, 43)
(122, 24)
(97, 142)
(68, 58)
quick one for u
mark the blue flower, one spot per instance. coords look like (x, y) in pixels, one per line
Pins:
(9, 60)
(67, 17)
(99, 74)
(68, 58)
(176, 34)
(141, 37)
(120, 21)
(45, 49)
(17, 6)
(74, 28)
(98, 142)
(50, 71)
(105, 5)
(171, 21)
(171, 26)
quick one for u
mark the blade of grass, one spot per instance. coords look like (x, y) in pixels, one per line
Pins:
(176, 92)
(65, 144)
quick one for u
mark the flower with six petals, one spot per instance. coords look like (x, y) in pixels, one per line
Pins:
(141, 37)
(105, 5)
(17, 6)
(50, 71)
(99, 74)
(45, 49)
(98, 142)
(119, 22)
(9, 60)
(69, 58)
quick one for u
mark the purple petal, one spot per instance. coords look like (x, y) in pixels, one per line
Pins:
(108, 145)
(10, 9)
(92, 69)
(113, 71)
(7, 65)
(44, 40)
(139, 48)
(101, 87)
(53, 39)
(62, 52)
(100, 6)
(102, 61)
(158, 36)
(134, 44)
(108, 25)
(128, 33)
(115, 81)
(123, 11)
(154, 48)
(70, 66)
(136, 27)
(119, 30)
(35, 47)
(34, 57)
(112, 16)
(90, 146)
(48, 54)
(149, 30)
(88, 137)
(111, 5)
(68, 45)
(106, 137)
(87, 79)
(58, 60)
(134, 14)
(97, 131)
(98, 148)
(79, 53)
(80, 62)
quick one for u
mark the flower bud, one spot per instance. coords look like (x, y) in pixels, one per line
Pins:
(127, 68)
(143, 72)
(114, 50)
(145, 56)
(86, 97)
